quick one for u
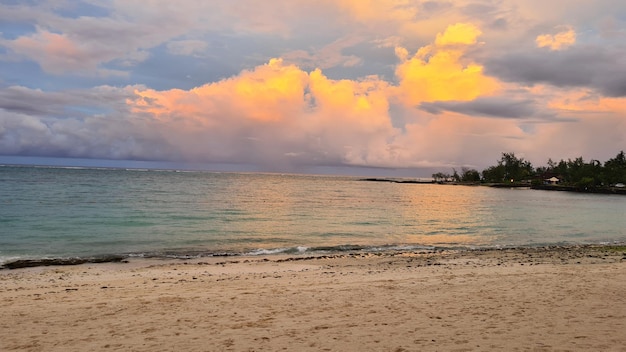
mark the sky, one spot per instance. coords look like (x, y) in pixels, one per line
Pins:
(397, 86)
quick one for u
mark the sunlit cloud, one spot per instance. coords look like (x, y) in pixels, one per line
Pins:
(276, 104)
(440, 72)
(558, 41)
(458, 34)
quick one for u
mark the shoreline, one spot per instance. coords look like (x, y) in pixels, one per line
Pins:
(309, 254)
(530, 298)
(558, 188)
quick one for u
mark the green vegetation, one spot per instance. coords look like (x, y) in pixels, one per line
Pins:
(576, 174)
(615, 249)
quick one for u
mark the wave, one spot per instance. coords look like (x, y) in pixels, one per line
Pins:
(296, 252)
(17, 262)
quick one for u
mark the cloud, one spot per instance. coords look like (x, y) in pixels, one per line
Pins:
(440, 72)
(498, 107)
(276, 113)
(88, 45)
(331, 55)
(56, 53)
(81, 54)
(32, 102)
(558, 41)
(599, 68)
(187, 47)
(92, 123)
(394, 84)
(458, 34)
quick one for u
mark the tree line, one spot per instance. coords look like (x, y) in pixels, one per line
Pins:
(512, 169)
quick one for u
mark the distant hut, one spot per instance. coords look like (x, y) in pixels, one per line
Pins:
(552, 180)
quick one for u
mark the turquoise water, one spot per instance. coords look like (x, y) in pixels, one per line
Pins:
(48, 212)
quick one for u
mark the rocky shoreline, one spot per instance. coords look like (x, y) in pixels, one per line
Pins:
(557, 255)
(31, 263)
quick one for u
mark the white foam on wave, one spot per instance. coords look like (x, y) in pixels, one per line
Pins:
(263, 251)
(4, 260)
(268, 251)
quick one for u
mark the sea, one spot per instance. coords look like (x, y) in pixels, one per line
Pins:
(71, 212)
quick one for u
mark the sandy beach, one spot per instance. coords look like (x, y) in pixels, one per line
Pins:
(547, 299)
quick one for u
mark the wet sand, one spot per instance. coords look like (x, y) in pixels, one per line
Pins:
(547, 299)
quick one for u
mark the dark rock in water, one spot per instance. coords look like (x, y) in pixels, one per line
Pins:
(376, 180)
(29, 263)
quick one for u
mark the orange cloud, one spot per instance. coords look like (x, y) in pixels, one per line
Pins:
(358, 102)
(270, 93)
(439, 71)
(266, 93)
(276, 107)
(280, 107)
(558, 41)
(351, 119)
(458, 34)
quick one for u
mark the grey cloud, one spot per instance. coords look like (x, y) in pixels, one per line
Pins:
(493, 16)
(499, 107)
(97, 123)
(436, 6)
(118, 41)
(499, 24)
(598, 68)
(478, 9)
(616, 86)
(31, 101)
(91, 123)
(34, 102)
(106, 137)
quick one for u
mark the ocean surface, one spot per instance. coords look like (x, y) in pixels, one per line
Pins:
(53, 212)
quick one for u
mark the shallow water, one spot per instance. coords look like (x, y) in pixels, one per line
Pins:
(69, 212)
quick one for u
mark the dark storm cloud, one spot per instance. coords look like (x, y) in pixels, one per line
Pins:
(601, 69)
(499, 107)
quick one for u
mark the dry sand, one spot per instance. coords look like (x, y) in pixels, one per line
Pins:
(556, 299)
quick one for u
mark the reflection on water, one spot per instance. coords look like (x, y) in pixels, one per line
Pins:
(328, 211)
(59, 211)
(440, 215)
